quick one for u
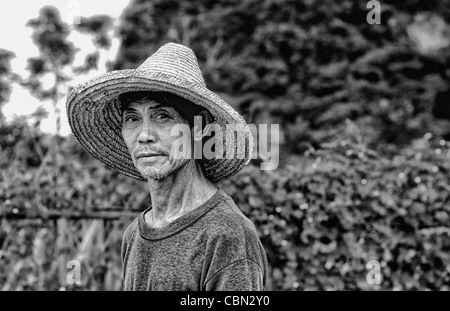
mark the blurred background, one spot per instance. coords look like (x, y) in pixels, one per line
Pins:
(363, 110)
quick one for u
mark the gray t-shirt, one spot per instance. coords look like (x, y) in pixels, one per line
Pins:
(213, 247)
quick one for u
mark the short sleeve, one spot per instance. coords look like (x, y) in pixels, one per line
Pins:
(126, 239)
(241, 275)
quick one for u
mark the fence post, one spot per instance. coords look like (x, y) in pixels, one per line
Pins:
(62, 248)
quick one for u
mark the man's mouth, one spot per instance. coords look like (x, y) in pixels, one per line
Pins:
(148, 155)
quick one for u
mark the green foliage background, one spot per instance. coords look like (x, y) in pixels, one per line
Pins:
(364, 172)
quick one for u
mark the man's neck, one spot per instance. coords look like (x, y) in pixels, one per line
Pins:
(178, 194)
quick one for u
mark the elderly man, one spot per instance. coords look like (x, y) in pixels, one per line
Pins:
(193, 236)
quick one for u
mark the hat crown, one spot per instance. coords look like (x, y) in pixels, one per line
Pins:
(175, 60)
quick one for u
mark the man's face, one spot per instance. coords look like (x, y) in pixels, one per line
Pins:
(146, 127)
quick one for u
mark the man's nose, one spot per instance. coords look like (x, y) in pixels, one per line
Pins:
(147, 133)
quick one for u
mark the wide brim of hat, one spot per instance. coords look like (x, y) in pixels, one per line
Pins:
(94, 114)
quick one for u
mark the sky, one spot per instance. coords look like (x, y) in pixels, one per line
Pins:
(15, 36)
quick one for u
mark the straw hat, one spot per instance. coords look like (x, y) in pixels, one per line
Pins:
(94, 113)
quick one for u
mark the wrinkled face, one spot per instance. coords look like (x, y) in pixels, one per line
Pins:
(146, 130)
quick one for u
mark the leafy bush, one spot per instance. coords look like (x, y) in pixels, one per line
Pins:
(306, 65)
(320, 221)
(314, 67)
(66, 178)
(323, 222)
(42, 174)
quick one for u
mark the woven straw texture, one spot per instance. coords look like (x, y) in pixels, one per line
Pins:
(94, 115)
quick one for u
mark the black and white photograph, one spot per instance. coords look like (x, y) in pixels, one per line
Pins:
(252, 146)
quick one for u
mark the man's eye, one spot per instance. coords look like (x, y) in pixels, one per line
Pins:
(131, 119)
(161, 116)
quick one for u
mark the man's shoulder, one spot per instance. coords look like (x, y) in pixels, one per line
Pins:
(231, 236)
(131, 230)
(226, 217)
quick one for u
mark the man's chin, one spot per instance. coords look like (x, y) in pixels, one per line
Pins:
(161, 171)
(157, 172)
(155, 175)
